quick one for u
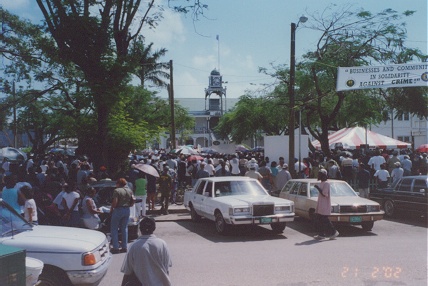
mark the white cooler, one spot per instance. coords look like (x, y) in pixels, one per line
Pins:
(33, 268)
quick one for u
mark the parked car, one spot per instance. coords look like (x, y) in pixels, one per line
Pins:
(346, 206)
(104, 197)
(70, 255)
(408, 194)
(237, 201)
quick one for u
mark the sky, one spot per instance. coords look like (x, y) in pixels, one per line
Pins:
(251, 33)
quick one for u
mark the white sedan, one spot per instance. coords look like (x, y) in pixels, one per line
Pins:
(346, 206)
(237, 201)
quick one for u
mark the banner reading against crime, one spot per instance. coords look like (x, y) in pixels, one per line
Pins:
(403, 75)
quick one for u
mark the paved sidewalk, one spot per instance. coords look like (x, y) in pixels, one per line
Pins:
(175, 213)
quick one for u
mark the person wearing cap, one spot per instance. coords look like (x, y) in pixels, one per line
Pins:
(392, 160)
(363, 179)
(148, 259)
(397, 173)
(252, 173)
(282, 177)
(202, 173)
(407, 165)
(323, 210)
(253, 164)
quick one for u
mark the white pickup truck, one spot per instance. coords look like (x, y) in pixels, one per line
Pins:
(237, 200)
(71, 256)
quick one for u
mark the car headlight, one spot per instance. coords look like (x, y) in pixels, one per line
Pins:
(283, 208)
(373, 208)
(240, 211)
(335, 209)
(91, 258)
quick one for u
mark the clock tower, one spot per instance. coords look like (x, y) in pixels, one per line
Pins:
(215, 96)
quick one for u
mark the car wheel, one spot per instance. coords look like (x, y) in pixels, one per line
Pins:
(389, 208)
(193, 215)
(278, 227)
(220, 224)
(132, 232)
(53, 277)
(367, 226)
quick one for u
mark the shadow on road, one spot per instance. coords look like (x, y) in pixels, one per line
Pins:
(239, 233)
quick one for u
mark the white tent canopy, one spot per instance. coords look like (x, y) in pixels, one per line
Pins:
(352, 138)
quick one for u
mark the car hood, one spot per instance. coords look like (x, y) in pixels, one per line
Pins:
(44, 238)
(352, 201)
(251, 199)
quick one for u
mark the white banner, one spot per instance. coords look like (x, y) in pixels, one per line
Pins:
(403, 75)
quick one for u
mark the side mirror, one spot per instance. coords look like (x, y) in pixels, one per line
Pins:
(217, 193)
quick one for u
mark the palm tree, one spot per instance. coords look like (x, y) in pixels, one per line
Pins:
(149, 69)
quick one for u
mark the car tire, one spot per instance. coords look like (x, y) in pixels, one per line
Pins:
(389, 208)
(367, 226)
(220, 224)
(132, 232)
(52, 276)
(278, 227)
(193, 214)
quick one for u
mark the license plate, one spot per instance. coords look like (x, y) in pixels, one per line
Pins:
(265, 220)
(355, 219)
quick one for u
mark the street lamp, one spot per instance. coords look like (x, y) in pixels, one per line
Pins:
(292, 118)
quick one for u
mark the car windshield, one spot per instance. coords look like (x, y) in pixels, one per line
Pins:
(337, 189)
(234, 188)
(11, 222)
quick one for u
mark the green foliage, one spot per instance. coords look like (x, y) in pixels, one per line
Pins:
(250, 115)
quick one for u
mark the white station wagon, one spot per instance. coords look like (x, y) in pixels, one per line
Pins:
(237, 201)
(346, 206)
(71, 256)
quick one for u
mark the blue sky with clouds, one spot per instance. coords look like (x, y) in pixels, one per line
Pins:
(252, 34)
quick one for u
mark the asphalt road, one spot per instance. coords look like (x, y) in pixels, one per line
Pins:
(394, 253)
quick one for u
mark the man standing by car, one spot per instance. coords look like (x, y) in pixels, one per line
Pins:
(363, 179)
(323, 210)
(148, 260)
(120, 212)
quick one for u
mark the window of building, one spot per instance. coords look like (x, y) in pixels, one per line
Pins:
(404, 138)
(405, 116)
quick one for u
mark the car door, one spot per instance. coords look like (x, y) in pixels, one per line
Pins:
(419, 195)
(207, 206)
(403, 194)
(198, 197)
(301, 202)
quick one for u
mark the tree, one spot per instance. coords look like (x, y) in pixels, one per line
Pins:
(96, 38)
(349, 38)
(252, 114)
(149, 68)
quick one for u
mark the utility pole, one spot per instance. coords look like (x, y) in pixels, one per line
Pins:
(171, 104)
(15, 126)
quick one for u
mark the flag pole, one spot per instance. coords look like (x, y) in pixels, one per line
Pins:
(218, 51)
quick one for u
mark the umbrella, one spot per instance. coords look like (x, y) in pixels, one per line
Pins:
(186, 150)
(209, 151)
(194, 157)
(241, 148)
(145, 168)
(423, 148)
